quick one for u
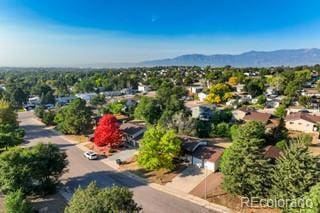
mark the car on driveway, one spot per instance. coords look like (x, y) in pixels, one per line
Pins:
(91, 155)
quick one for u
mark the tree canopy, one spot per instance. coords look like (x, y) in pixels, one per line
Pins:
(33, 170)
(93, 199)
(158, 148)
(243, 165)
(107, 132)
(75, 118)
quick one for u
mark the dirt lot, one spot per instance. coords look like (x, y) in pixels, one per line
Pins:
(162, 176)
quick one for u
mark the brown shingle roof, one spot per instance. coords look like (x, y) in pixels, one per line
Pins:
(209, 153)
(304, 116)
(257, 116)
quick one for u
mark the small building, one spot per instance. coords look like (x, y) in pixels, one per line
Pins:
(132, 132)
(63, 100)
(111, 93)
(240, 88)
(202, 96)
(310, 92)
(247, 114)
(34, 100)
(202, 112)
(272, 91)
(198, 153)
(86, 96)
(144, 88)
(195, 89)
(302, 121)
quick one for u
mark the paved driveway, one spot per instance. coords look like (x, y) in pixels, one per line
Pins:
(188, 179)
(82, 171)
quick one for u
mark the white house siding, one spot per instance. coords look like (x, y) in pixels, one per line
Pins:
(212, 166)
(300, 125)
(197, 162)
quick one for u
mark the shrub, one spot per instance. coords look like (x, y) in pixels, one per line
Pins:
(15, 202)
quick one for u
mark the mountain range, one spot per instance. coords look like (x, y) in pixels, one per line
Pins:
(285, 57)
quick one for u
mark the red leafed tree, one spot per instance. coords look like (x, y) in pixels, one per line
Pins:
(107, 132)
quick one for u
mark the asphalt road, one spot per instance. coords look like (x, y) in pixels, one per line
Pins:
(82, 171)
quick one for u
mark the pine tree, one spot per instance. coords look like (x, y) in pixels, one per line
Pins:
(243, 165)
(296, 171)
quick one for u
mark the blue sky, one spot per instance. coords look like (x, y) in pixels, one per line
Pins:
(76, 32)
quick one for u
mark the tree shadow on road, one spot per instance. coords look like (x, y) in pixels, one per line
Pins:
(103, 179)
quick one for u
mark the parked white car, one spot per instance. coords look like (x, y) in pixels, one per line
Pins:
(91, 155)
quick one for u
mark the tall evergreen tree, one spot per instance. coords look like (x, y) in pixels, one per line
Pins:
(243, 165)
(296, 171)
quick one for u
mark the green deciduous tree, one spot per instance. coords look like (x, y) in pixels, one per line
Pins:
(74, 118)
(183, 123)
(255, 87)
(92, 199)
(296, 171)
(158, 148)
(280, 111)
(304, 101)
(7, 114)
(219, 93)
(34, 169)
(148, 109)
(48, 165)
(98, 100)
(10, 136)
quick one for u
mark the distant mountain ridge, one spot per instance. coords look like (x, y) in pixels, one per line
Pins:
(284, 57)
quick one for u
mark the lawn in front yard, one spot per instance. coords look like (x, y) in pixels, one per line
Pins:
(77, 138)
(161, 176)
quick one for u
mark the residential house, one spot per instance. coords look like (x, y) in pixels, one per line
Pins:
(311, 92)
(144, 88)
(202, 96)
(86, 96)
(271, 91)
(240, 88)
(129, 104)
(302, 121)
(34, 100)
(203, 112)
(128, 91)
(195, 89)
(63, 100)
(247, 114)
(198, 153)
(132, 132)
(111, 93)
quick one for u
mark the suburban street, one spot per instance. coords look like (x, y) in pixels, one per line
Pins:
(82, 171)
